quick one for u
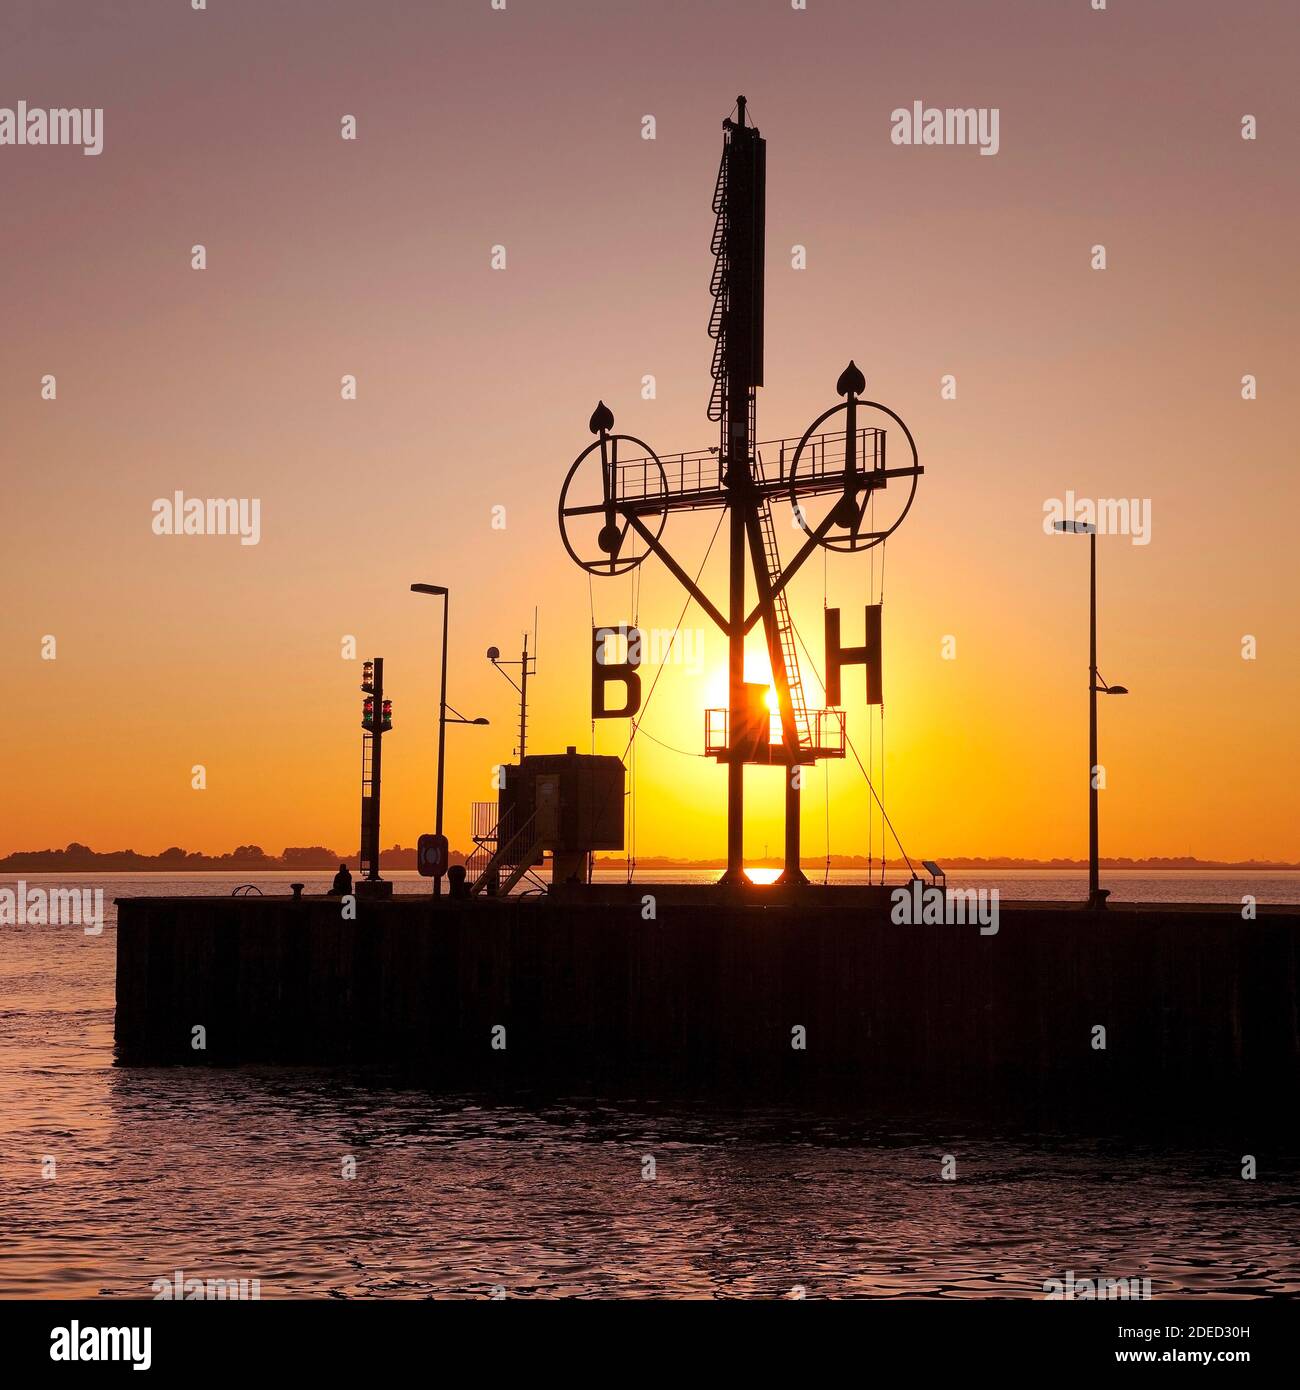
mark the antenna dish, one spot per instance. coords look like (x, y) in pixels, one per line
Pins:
(493, 653)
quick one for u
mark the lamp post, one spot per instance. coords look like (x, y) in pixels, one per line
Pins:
(1096, 685)
(439, 590)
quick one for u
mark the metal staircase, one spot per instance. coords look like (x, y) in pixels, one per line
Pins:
(514, 856)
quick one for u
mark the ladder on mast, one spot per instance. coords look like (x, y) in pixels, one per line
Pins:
(718, 288)
(784, 627)
(364, 864)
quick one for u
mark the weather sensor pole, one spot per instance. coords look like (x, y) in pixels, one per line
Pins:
(527, 667)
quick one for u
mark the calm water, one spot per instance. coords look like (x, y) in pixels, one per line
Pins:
(237, 1174)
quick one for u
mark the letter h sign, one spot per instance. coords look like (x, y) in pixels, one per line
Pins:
(867, 655)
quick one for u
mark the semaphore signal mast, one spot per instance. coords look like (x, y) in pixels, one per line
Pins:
(608, 505)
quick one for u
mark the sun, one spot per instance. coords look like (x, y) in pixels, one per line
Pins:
(758, 671)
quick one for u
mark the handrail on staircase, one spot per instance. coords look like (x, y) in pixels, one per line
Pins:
(504, 854)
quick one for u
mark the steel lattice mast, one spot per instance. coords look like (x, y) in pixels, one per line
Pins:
(740, 201)
(637, 494)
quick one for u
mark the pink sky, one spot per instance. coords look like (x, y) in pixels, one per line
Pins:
(522, 128)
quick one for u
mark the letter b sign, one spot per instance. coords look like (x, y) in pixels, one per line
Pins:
(605, 668)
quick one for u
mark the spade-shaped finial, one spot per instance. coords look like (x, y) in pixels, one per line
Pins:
(602, 418)
(851, 382)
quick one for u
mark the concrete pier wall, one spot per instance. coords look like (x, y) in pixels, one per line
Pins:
(1199, 1007)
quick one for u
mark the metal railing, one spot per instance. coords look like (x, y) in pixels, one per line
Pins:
(483, 820)
(825, 733)
(701, 470)
(824, 454)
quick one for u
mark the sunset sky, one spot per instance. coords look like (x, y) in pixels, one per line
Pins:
(522, 128)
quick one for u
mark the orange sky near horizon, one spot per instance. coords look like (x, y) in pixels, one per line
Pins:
(523, 128)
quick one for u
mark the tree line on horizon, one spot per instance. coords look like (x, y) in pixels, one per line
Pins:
(78, 858)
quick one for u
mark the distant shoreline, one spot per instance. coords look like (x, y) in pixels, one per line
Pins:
(317, 859)
(247, 859)
(847, 861)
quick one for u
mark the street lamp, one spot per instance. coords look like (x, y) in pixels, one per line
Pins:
(1096, 685)
(440, 591)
